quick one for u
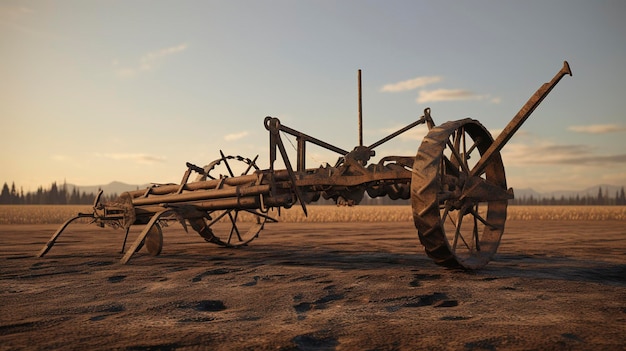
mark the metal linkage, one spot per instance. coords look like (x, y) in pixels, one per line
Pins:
(456, 184)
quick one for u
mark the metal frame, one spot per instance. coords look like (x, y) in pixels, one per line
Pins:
(196, 202)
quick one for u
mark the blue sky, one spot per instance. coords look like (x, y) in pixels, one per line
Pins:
(96, 91)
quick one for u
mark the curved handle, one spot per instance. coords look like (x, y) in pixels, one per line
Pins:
(519, 119)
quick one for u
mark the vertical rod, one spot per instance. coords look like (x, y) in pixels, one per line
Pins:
(360, 112)
(301, 163)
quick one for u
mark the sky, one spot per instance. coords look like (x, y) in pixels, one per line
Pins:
(100, 91)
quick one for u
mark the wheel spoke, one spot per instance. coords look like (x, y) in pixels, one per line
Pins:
(474, 145)
(475, 232)
(457, 233)
(234, 228)
(465, 154)
(250, 165)
(481, 219)
(452, 221)
(450, 168)
(446, 211)
(458, 157)
(230, 171)
(216, 219)
(457, 138)
(261, 215)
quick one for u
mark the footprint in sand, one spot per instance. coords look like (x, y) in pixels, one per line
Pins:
(116, 278)
(319, 304)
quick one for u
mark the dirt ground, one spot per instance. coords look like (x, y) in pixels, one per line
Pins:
(553, 285)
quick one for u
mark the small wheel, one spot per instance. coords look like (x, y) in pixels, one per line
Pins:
(154, 240)
(459, 216)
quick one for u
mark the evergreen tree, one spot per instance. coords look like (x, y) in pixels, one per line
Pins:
(75, 196)
(13, 194)
(5, 195)
(53, 194)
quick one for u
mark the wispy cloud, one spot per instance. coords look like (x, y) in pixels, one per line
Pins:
(598, 128)
(425, 96)
(546, 153)
(596, 160)
(447, 95)
(141, 158)
(148, 61)
(410, 84)
(236, 136)
(495, 100)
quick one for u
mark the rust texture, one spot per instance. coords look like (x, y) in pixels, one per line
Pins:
(456, 183)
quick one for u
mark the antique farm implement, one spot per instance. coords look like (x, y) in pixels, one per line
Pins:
(456, 184)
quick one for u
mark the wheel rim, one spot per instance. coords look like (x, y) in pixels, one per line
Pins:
(233, 227)
(236, 227)
(459, 217)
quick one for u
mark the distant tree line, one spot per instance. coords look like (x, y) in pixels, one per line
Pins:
(55, 195)
(603, 198)
(60, 195)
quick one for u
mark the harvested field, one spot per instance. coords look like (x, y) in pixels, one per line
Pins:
(56, 214)
(354, 282)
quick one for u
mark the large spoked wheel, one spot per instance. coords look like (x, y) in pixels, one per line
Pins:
(232, 227)
(459, 215)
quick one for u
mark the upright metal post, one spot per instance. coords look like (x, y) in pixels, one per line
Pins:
(360, 113)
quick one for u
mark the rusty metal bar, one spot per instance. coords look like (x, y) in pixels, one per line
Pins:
(360, 112)
(204, 185)
(422, 120)
(249, 202)
(301, 161)
(237, 191)
(271, 122)
(519, 119)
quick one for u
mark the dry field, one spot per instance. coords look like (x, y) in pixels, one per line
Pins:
(342, 279)
(55, 214)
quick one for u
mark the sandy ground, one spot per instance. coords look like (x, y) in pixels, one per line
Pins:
(333, 286)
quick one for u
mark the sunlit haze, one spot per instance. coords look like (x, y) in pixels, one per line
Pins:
(100, 91)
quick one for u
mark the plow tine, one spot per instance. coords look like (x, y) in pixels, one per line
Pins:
(125, 238)
(56, 235)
